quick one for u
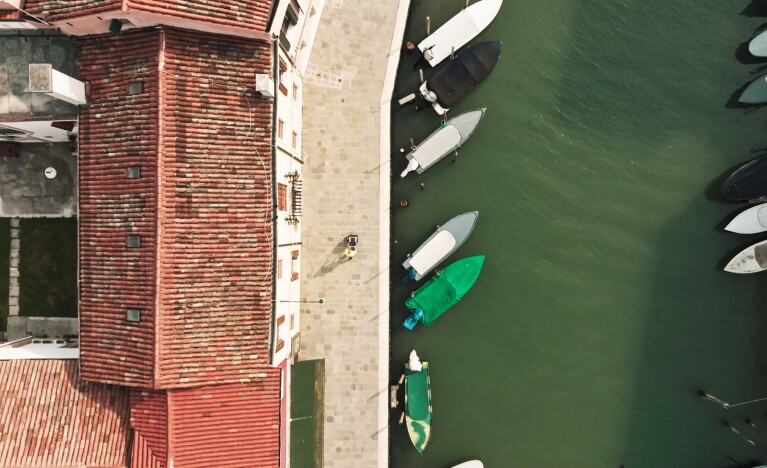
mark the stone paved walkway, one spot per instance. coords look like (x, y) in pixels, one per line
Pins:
(346, 186)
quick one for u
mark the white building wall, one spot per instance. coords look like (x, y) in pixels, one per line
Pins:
(288, 179)
(300, 35)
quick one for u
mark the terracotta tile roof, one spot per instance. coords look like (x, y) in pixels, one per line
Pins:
(202, 275)
(251, 14)
(149, 420)
(48, 417)
(226, 425)
(116, 131)
(234, 425)
(53, 10)
(215, 272)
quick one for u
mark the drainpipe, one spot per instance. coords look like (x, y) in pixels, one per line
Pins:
(273, 155)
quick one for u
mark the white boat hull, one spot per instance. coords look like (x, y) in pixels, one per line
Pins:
(752, 259)
(758, 45)
(459, 30)
(470, 464)
(441, 244)
(750, 221)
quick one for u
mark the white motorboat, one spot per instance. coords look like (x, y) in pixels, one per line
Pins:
(758, 45)
(752, 259)
(470, 464)
(750, 221)
(440, 245)
(443, 141)
(458, 31)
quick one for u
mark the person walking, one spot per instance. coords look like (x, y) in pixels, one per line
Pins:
(350, 252)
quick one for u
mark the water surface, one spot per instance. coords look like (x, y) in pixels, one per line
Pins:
(602, 306)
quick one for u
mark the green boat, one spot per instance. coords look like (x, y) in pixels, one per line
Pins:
(418, 403)
(443, 291)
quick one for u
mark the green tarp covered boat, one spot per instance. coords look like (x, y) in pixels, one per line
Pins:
(443, 290)
(418, 402)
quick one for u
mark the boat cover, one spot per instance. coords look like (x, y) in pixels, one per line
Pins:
(439, 246)
(757, 46)
(464, 73)
(760, 255)
(446, 288)
(418, 406)
(749, 182)
(435, 148)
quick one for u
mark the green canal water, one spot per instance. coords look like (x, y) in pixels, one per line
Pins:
(602, 307)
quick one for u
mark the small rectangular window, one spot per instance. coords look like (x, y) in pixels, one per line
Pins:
(292, 321)
(133, 315)
(133, 172)
(295, 92)
(280, 128)
(282, 197)
(133, 241)
(279, 269)
(135, 87)
(294, 141)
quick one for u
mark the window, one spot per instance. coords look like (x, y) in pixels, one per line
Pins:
(280, 320)
(279, 269)
(292, 321)
(295, 92)
(133, 241)
(280, 345)
(282, 197)
(294, 141)
(280, 128)
(133, 172)
(135, 87)
(294, 265)
(133, 315)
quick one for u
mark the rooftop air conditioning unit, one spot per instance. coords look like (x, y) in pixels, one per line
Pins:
(44, 79)
(265, 84)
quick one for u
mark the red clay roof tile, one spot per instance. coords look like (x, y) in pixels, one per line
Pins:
(49, 417)
(250, 14)
(202, 275)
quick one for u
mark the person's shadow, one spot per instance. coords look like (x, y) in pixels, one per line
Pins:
(333, 260)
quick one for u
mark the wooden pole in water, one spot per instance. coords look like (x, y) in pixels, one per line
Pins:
(428, 26)
(402, 418)
(467, 4)
(401, 379)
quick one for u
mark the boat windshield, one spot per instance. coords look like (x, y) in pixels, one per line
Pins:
(433, 252)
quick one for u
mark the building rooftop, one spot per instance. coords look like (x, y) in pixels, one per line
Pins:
(184, 244)
(50, 417)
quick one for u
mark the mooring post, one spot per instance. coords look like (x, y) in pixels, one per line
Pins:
(428, 26)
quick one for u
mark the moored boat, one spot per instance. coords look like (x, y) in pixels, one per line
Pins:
(461, 75)
(752, 259)
(470, 464)
(750, 221)
(458, 31)
(440, 245)
(748, 182)
(443, 291)
(756, 92)
(443, 141)
(758, 45)
(418, 402)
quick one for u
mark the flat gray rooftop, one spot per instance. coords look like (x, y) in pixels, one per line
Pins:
(16, 53)
(25, 191)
